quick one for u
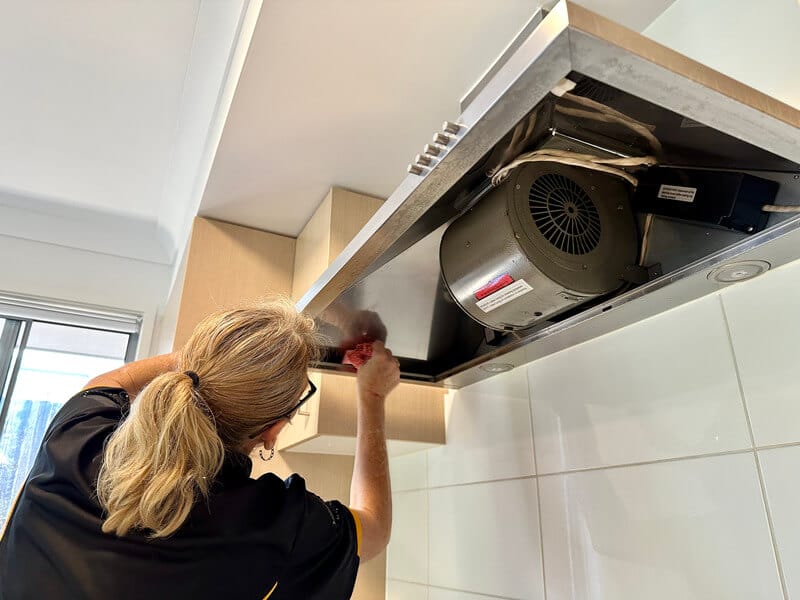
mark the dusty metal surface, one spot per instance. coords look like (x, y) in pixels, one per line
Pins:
(387, 282)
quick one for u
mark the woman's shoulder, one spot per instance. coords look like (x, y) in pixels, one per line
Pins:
(100, 402)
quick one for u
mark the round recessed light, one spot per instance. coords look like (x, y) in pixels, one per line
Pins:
(738, 271)
(496, 367)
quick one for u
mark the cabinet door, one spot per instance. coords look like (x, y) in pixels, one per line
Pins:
(228, 265)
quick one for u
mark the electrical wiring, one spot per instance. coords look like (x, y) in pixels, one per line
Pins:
(522, 135)
(608, 115)
(774, 208)
(587, 161)
(597, 112)
(648, 224)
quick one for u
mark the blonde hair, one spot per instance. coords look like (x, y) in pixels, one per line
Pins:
(252, 364)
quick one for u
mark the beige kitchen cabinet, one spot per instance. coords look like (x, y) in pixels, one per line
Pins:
(337, 220)
(327, 424)
(227, 265)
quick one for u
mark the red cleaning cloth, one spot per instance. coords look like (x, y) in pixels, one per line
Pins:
(358, 355)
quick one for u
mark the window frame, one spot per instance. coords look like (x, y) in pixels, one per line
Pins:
(21, 312)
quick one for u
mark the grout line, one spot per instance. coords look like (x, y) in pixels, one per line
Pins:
(538, 487)
(449, 589)
(738, 375)
(642, 463)
(466, 483)
(771, 526)
(773, 446)
(759, 472)
(416, 489)
(428, 536)
(648, 462)
(428, 520)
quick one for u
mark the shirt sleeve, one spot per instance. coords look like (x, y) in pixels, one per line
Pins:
(101, 402)
(71, 452)
(324, 561)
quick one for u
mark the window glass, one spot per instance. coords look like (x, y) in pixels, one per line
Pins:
(56, 363)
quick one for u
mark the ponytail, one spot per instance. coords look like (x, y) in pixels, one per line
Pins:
(162, 457)
(246, 368)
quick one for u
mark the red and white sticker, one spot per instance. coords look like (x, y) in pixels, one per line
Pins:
(503, 295)
(496, 284)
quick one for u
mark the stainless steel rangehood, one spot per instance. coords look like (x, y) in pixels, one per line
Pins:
(594, 139)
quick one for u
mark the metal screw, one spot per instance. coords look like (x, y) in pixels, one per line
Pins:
(592, 188)
(796, 177)
(585, 267)
(750, 229)
(620, 207)
(517, 186)
(467, 244)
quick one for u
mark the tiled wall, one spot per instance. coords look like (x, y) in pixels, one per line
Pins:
(660, 462)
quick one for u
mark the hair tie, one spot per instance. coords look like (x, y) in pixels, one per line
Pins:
(194, 377)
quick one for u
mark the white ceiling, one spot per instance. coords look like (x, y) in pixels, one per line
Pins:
(346, 93)
(103, 107)
(90, 100)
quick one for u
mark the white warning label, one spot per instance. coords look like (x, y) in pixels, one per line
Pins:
(503, 296)
(677, 192)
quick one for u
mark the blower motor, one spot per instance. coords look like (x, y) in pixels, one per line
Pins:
(551, 237)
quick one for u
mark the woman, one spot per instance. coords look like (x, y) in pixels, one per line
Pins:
(141, 488)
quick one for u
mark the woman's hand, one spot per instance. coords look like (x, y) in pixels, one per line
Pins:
(379, 375)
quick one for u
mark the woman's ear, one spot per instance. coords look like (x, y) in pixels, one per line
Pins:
(270, 435)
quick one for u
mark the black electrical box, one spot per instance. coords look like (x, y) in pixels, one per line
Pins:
(725, 198)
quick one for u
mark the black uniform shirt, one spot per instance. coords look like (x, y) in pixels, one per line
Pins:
(253, 539)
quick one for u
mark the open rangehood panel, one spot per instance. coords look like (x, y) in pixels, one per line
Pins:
(388, 279)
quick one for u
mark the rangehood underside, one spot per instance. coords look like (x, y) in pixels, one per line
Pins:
(387, 282)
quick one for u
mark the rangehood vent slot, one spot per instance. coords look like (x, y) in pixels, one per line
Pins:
(564, 214)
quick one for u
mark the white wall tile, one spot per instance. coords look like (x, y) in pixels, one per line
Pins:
(691, 529)
(781, 467)
(764, 319)
(484, 538)
(662, 388)
(402, 590)
(435, 593)
(409, 471)
(488, 433)
(407, 554)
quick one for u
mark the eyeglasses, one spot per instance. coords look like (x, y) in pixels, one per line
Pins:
(312, 389)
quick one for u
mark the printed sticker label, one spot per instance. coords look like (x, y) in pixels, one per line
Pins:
(677, 192)
(503, 296)
(498, 283)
